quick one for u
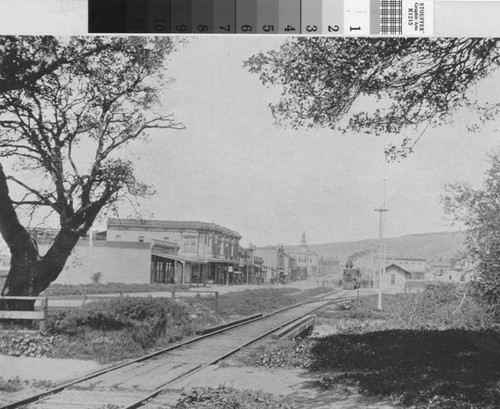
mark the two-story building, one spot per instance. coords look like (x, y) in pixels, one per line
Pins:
(207, 252)
(142, 251)
(277, 262)
(251, 266)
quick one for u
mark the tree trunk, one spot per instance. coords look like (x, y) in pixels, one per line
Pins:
(29, 273)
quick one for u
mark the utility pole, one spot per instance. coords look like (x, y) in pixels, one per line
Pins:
(381, 256)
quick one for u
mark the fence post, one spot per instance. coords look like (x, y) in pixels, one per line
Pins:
(173, 295)
(121, 293)
(45, 305)
(84, 300)
(216, 302)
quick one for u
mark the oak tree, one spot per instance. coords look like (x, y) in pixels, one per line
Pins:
(67, 108)
(479, 210)
(415, 83)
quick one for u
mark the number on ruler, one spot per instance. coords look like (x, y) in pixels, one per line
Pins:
(137, 24)
(159, 24)
(268, 28)
(202, 28)
(334, 28)
(225, 28)
(311, 29)
(246, 28)
(289, 28)
(159, 27)
(181, 28)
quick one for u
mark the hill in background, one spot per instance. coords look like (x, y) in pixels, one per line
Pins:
(440, 246)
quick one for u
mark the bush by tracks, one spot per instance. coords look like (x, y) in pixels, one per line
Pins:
(139, 314)
(225, 398)
(440, 306)
(125, 327)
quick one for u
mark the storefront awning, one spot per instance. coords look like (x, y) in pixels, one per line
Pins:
(175, 257)
(184, 259)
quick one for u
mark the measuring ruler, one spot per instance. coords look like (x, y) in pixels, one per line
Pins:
(292, 17)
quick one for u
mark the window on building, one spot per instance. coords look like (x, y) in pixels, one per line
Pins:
(190, 244)
(141, 239)
(118, 237)
(393, 278)
(166, 238)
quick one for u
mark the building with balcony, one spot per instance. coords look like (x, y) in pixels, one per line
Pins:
(207, 252)
(144, 251)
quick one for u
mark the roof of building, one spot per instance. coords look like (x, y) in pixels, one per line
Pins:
(399, 269)
(401, 258)
(169, 224)
(115, 244)
(441, 264)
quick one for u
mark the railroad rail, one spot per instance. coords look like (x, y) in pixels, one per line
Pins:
(134, 383)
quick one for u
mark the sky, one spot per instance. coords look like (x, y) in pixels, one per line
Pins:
(233, 166)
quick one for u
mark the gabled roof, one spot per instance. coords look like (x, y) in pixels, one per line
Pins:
(399, 269)
(123, 224)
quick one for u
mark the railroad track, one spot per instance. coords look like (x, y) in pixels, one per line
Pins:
(135, 383)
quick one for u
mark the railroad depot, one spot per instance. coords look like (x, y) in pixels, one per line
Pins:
(171, 252)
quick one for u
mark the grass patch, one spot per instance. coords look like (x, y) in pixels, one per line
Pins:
(10, 385)
(250, 302)
(55, 290)
(434, 349)
(125, 328)
(129, 327)
(416, 367)
(224, 397)
(16, 384)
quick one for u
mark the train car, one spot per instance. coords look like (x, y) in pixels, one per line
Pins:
(352, 277)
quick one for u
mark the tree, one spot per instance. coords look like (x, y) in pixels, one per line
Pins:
(479, 210)
(415, 82)
(87, 95)
(24, 60)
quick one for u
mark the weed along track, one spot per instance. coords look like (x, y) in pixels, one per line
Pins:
(135, 383)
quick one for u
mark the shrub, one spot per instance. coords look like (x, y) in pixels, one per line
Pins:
(439, 307)
(142, 315)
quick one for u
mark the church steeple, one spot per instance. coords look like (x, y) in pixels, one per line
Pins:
(303, 242)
